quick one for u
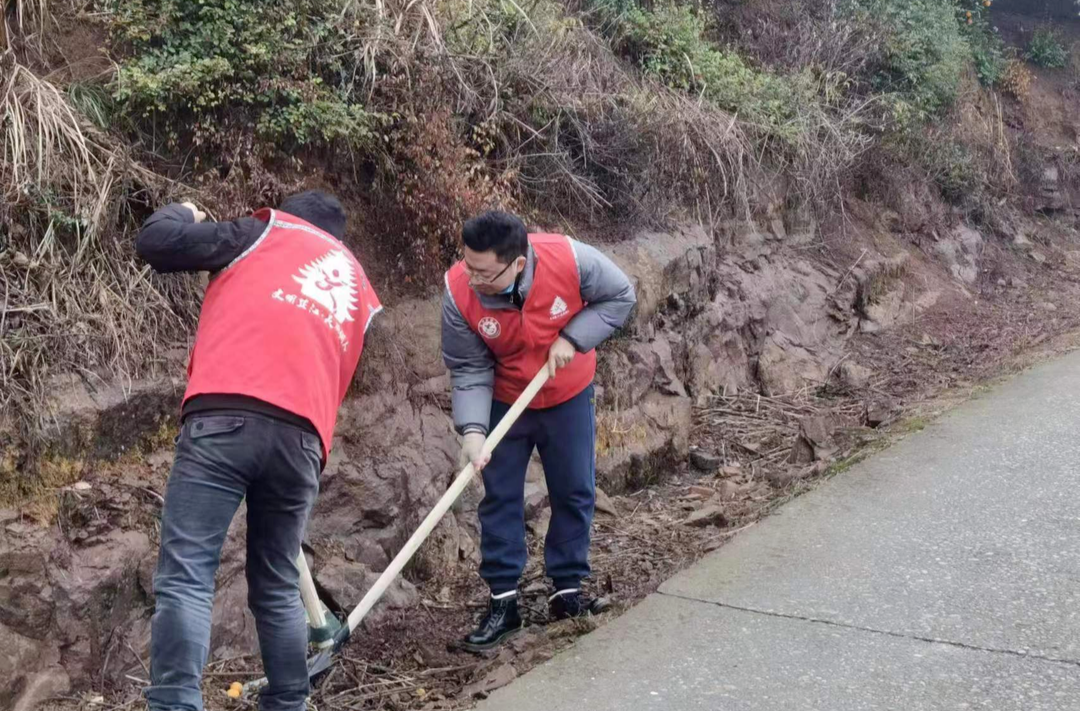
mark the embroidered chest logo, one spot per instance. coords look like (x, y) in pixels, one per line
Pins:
(489, 327)
(328, 282)
(558, 308)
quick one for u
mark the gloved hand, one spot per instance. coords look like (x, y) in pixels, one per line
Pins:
(471, 451)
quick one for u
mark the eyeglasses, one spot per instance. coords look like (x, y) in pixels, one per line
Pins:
(478, 279)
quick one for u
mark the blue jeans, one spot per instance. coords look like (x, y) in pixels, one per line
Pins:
(221, 458)
(565, 435)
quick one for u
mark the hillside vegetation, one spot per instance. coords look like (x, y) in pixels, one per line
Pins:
(594, 115)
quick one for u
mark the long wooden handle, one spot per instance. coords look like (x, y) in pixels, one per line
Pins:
(310, 596)
(444, 504)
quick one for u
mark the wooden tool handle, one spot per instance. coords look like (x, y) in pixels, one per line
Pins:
(444, 504)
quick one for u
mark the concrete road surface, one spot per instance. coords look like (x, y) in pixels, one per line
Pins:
(943, 573)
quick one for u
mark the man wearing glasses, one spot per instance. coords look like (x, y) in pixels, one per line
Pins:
(517, 303)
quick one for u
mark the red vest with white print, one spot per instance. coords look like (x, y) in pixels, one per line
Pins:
(284, 323)
(521, 340)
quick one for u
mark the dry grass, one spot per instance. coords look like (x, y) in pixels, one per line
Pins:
(830, 138)
(544, 101)
(588, 136)
(757, 433)
(45, 142)
(73, 298)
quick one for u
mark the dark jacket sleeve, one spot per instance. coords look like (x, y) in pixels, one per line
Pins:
(171, 241)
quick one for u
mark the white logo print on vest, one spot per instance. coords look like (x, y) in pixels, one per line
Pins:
(330, 282)
(558, 308)
(489, 327)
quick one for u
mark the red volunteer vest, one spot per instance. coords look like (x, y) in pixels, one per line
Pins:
(520, 340)
(284, 323)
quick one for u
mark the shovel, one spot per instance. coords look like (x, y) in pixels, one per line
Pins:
(322, 660)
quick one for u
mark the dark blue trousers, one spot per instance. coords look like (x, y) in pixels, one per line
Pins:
(565, 435)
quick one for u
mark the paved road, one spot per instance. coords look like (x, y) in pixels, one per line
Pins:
(943, 573)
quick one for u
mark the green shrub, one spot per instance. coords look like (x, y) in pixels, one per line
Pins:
(669, 43)
(279, 66)
(1046, 49)
(924, 54)
(987, 49)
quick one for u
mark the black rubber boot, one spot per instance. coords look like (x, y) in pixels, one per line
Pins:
(573, 603)
(501, 623)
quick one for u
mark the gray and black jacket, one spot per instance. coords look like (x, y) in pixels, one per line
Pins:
(606, 290)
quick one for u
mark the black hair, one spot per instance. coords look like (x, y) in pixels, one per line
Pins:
(320, 209)
(497, 232)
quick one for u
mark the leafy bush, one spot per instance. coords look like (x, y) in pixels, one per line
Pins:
(283, 63)
(1046, 49)
(670, 44)
(987, 47)
(924, 52)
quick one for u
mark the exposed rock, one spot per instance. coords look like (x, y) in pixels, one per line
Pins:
(711, 515)
(705, 461)
(41, 685)
(781, 478)
(536, 498)
(718, 363)
(107, 420)
(371, 554)
(540, 524)
(535, 472)
(147, 568)
(854, 375)
(1051, 196)
(881, 411)
(391, 463)
(642, 443)
(654, 366)
(497, 678)
(960, 250)
(61, 604)
(727, 490)
(604, 503)
(785, 367)
(345, 583)
(232, 625)
(815, 440)
(661, 263)
(469, 550)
